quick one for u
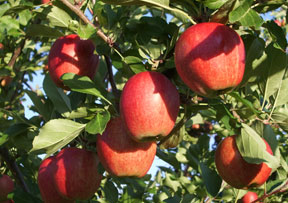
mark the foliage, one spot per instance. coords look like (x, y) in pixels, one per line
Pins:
(141, 35)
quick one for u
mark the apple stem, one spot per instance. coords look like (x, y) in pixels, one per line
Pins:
(13, 167)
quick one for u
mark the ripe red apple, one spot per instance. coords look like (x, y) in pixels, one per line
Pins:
(46, 184)
(120, 155)
(235, 170)
(1, 46)
(210, 58)
(149, 106)
(249, 197)
(6, 186)
(76, 174)
(70, 54)
(45, 1)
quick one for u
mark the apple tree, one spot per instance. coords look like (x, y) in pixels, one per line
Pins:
(200, 85)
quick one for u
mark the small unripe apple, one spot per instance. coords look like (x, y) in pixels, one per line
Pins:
(210, 58)
(70, 54)
(6, 80)
(46, 184)
(76, 174)
(149, 106)
(120, 155)
(6, 186)
(235, 170)
(249, 197)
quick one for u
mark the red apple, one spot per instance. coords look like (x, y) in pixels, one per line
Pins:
(46, 184)
(210, 58)
(76, 174)
(120, 155)
(70, 54)
(249, 197)
(235, 170)
(45, 1)
(1, 46)
(6, 186)
(149, 106)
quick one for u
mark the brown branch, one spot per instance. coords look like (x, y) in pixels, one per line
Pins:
(16, 54)
(13, 167)
(111, 77)
(280, 190)
(99, 32)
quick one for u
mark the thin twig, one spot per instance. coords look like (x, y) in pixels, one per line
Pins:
(280, 190)
(99, 32)
(13, 167)
(111, 77)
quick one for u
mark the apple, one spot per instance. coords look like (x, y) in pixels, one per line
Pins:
(76, 174)
(149, 106)
(6, 80)
(235, 170)
(6, 186)
(46, 185)
(70, 54)
(249, 197)
(45, 1)
(1, 46)
(210, 58)
(122, 156)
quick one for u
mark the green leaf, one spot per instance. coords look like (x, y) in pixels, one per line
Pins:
(281, 117)
(214, 4)
(139, 2)
(283, 93)
(212, 180)
(80, 112)
(17, 9)
(55, 15)
(82, 84)
(156, 3)
(38, 30)
(221, 16)
(246, 15)
(55, 134)
(56, 95)
(4, 8)
(41, 108)
(135, 64)
(98, 123)
(277, 34)
(275, 70)
(253, 149)
(3, 138)
(111, 192)
(254, 58)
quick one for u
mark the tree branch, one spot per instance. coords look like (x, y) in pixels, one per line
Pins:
(99, 32)
(280, 190)
(13, 167)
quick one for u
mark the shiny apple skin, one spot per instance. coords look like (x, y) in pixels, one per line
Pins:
(149, 106)
(70, 54)
(235, 170)
(120, 155)
(210, 58)
(46, 185)
(76, 174)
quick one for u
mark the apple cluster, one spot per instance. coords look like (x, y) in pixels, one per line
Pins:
(6, 187)
(209, 58)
